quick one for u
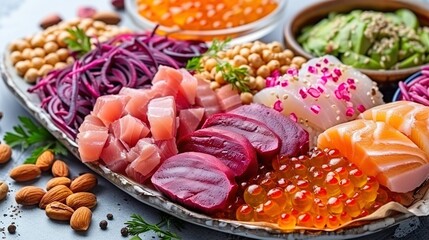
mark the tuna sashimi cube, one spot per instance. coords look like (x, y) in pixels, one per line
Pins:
(167, 74)
(188, 86)
(207, 98)
(114, 155)
(162, 118)
(139, 99)
(163, 88)
(109, 108)
(129, 130)
(92, 123)
(196, 180)
(148, 159)
(167, 148)
(90, 144)
(189, 121)
(228, 97)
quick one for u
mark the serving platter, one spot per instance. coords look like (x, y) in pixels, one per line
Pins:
(151, 197)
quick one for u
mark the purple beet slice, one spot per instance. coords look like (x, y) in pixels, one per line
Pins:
(196, 180)
(266, 142)
(294, 138)
(234, 150)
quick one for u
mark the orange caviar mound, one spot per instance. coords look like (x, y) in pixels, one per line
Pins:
(322, 190)
(205, 15)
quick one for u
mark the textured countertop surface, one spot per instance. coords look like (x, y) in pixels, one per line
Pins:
(19, 18)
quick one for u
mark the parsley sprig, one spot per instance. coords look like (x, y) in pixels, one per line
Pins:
(28, 135)
(237, 76)
(79, 42)
(138, 225)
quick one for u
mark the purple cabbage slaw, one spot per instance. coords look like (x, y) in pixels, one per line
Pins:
(127, 60)
(417, 90)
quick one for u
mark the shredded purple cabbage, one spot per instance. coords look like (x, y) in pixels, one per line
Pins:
(127, 60)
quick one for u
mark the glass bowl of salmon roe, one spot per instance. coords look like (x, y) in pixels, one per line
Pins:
(241, 20)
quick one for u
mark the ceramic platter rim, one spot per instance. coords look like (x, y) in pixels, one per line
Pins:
(151, 197)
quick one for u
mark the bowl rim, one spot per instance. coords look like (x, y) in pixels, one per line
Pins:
(410, 79)
(292, 42)
(131, 8)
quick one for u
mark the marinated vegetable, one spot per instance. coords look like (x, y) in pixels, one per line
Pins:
(418, 89)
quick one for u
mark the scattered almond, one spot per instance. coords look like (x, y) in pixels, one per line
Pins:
(45, 160)
(84, 183)
(25, 172)
(60, 169)
(50, 20)
(107, 17)
(29, 195)
(81, 199)
(58, 181)
(59, 211)
(4, 188)
(5, 153)
(81, 219)
(58, 193)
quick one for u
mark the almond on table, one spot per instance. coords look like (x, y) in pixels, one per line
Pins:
(29, 195)
(25, 172)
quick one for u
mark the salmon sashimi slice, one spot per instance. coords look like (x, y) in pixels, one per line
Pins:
(129, 130)
(410, 118)
(189, 121)
(162, 118)
(147, 160)
(207, 98)
(188, 86)
(228, 97)
(109, 108)
(92, 123)
(381, 151)
(114, 155)
(90, 144)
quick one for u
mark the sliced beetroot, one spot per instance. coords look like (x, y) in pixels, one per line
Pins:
(189, 120)
(234, 150)
(196, 180)
(294, 138)
(265, 141)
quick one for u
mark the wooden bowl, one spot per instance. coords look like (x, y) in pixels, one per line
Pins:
(317, 11)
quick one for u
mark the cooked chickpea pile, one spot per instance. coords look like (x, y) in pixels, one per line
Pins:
(36, 55)
(259, 58)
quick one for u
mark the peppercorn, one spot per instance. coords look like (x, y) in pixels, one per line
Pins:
(124, 232)
(103, 224)
(109, 216)
(11, 229)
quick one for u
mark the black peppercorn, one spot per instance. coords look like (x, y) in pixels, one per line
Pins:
(109, 216)
(103, 224)
(11, 229)
(124, 232)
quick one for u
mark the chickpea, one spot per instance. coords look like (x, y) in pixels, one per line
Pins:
(50, 47)
(255, 60)
(240, 60)
(256, 48)
(210, 64)
(273, 65)
(70, 60)
(298, 61)
(51, 38)
(52, 58)
(37, 41)
(219, 78)
(293, 65)
(252, 83)
(60, 65)
(37, 62)
(289, 54)
(228, 53)
(85, 23)
(283, 59)
(21, 44)
(22, 67)
(213, 73)
(249, 69)
(38, 52)
(260, 83)
(267, 55)
(61, 37)
(12, 46)
(62, 54)
(245, 52)
(276, 47)
(205, 75)
(235, 51)
(283, 69)
(263, 71)
(103, 38)
(31, 75)
(246, 97)
(99, 25)
(15, 57)
(27, 53)
(247, 45)
(221, 54)
(45, 69)
(214, 85)
(73, 22)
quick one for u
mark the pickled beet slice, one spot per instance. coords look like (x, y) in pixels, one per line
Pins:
(265, 141)
(196, 180)
(234, 150)
(295, 140)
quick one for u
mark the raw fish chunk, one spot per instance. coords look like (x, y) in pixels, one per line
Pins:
(92, 123)
(139, 99)
(381, 151)
(90, 144)
(234, 150)
(207, 98)
(168, 74)
(162, 118)
(114, 155)
(167, 148)
(189, 120)
(228, 97)
(188, 86)
(411, 118)
(265, 141)
(109, 108)
(147, 160)
(129, 130)
(294, 139)
(196, 180)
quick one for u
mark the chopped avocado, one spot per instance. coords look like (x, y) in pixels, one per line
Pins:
(409, 48)
(414, 60)
(408, 18)
(360, 42)
(388, 55)
(424, 38)
(344, 37)
(359, 61)
(393, 17)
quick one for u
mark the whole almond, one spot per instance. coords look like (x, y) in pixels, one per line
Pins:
(59, 211)
(60, 169)
(81, 219)
(5, 153)
(81, 199)
(84, 183)
(58, 193)
(45, 160)
(29, 195)
(25, 172)
(50, 20)
(107, 17)
(4, 189)
(58, 181)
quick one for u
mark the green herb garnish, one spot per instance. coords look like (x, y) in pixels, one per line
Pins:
(79, 42)
(27, 134)
(138, 225)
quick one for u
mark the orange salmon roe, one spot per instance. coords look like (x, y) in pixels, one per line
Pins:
(205, 14)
